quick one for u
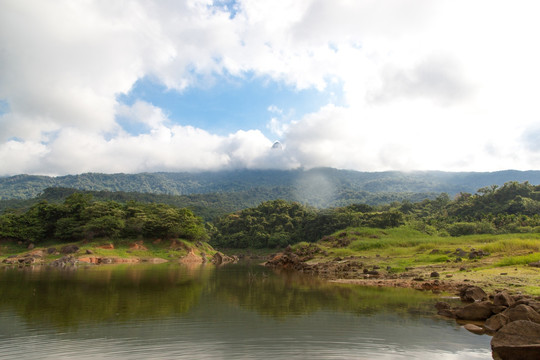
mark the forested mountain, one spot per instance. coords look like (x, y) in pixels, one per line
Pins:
(210, 205)
(319, 187)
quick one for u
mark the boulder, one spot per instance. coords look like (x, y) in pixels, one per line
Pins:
(69, 249)
(522, 312)
(220, 258)
(517, 340)
(535, 264)
(496, 322)
(51, 250)
(503, 299)
(472, 293)
(475, 311)
(434, 274)
(106, 247)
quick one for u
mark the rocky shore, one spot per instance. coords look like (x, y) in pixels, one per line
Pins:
(512, 320)
(72, 255)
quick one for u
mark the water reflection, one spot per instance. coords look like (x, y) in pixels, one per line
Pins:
(170, 312)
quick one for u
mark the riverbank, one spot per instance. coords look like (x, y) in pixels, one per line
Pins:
(105, 252)
(402, 258)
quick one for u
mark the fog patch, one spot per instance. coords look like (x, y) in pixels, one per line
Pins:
(315, 189)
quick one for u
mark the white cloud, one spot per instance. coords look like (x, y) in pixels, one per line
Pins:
(448, 85)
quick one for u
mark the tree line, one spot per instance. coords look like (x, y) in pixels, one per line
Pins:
(513, 207)
(79, 217)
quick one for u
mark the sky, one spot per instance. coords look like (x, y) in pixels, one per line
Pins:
(134, 86)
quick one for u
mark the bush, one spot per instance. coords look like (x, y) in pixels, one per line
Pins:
(461, 228)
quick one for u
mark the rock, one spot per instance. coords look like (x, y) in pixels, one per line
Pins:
(69, 249)
(475, 311)
(106, 247)
(522, 312)
(191, 258)
(472, 293)
(496, 322)
(220, 258)
(475, 329)
(51, 250)
(434, 274)
(535, 264)
(31, 246)
(89, 259)
(157, 241)
(503, 298)
(517, 340)
(89, 252)
(64, 261)
(460, 253)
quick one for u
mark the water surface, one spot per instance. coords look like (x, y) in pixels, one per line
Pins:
(230, 312)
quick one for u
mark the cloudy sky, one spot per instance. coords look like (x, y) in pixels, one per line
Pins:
(190, 85)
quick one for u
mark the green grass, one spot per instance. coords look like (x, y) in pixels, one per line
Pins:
(512, 245)
(519, 260)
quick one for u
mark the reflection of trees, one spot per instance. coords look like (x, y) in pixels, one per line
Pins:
(294, 294)
(116, 293)
(66, 299)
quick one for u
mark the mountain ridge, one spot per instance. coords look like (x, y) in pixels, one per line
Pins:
(323, 181)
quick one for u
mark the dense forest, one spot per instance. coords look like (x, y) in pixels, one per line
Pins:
(321, 187)
(212, 205)
(81, 218)
(513, 207)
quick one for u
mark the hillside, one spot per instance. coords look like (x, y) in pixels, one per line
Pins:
(319, 187)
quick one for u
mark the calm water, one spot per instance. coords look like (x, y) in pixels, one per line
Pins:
(231, 312)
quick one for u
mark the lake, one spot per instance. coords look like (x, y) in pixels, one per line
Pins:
(244, 311)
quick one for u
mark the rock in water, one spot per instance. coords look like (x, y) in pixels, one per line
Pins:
(475, 329)
(517, 340)
(475, 311)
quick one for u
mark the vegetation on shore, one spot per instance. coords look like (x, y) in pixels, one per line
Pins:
(501, 222)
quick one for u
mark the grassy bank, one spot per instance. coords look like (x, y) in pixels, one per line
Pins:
(491, 261)
(125, 249)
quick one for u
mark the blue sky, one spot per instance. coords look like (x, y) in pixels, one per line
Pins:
(228, 104)
(194, 85)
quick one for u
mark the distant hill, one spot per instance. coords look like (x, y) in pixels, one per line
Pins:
(319, 185)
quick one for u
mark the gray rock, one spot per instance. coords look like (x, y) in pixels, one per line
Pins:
(517, 340)
(535, 264)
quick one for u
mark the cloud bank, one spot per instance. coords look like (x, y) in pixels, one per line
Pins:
(448, 85)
